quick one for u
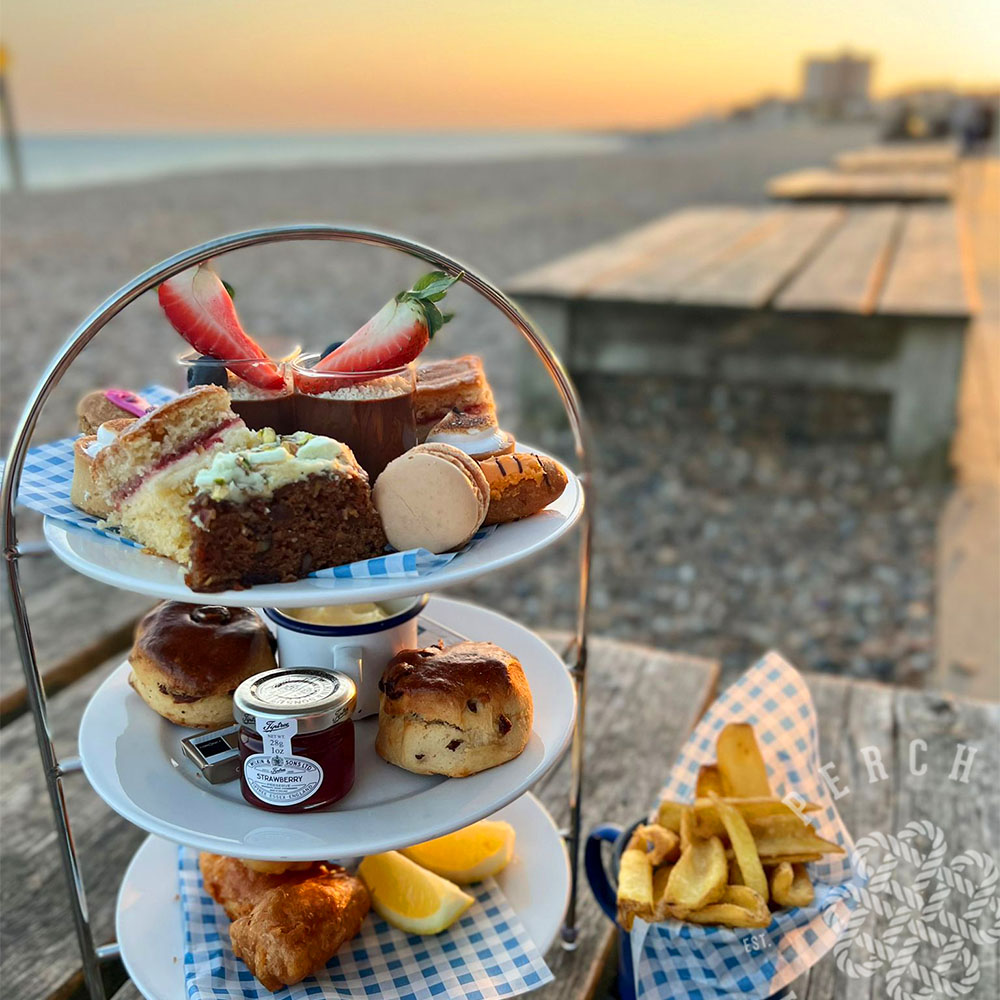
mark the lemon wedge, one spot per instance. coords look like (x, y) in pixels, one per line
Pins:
(410, 897)
(467, 855)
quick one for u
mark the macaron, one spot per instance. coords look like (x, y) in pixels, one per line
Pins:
(433, 497)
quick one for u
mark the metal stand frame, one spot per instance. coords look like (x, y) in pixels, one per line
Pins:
(55, 769)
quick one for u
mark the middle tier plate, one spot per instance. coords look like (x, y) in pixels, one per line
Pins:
(132, 758)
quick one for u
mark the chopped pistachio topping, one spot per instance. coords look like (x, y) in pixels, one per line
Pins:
(271, 463)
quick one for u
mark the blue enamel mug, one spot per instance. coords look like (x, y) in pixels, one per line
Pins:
(605, 892)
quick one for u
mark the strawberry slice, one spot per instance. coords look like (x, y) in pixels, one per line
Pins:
(201, 310)
(393, 337)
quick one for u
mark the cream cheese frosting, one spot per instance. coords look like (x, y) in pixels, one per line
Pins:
(272, 463)
(105, 436)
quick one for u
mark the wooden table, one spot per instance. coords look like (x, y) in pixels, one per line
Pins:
(642, 704)
(642, 701)
(821, 184)
(871, 300)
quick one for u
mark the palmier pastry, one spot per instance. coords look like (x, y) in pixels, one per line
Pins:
(188, 659)
(521, 485)
(454, 711)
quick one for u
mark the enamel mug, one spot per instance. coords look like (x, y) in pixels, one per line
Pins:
(360, 651)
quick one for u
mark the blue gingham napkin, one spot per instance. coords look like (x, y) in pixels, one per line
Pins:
(486, 953)
(48, 474)
(674, 959)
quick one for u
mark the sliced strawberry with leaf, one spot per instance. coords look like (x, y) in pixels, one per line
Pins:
(201, 310)
(394, 336)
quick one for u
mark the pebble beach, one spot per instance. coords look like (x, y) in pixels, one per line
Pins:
(721, 530)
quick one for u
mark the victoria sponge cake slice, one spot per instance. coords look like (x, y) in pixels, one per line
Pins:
(147, 473)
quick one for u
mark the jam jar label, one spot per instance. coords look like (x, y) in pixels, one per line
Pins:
(277, 776)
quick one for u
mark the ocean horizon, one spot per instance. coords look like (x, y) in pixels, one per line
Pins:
(65, 161)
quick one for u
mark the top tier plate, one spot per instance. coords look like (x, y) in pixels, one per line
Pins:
(109, 561)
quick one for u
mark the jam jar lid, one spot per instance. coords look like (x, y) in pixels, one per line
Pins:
(316, 698)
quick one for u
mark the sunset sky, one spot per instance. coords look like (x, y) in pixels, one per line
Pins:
(277, 65)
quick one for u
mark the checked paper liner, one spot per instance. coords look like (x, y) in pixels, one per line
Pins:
(674, 959)
(48, 474)
(487, 953)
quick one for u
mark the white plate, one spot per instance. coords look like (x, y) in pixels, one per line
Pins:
(132, 757)
(149, 922)
(128, 568)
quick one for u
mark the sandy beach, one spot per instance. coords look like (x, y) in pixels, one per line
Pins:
(62, 252)
(726, 546)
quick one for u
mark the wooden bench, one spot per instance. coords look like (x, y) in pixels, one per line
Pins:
(933, 156)
(821, 184)
(872, 300)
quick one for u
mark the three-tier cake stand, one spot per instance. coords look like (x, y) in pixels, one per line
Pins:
(130, 757)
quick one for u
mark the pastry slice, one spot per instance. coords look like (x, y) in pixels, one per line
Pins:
(288, 924)
(452, 384)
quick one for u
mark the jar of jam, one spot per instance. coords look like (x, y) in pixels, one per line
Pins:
(296, 738)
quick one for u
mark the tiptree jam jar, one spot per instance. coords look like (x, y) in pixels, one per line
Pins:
(296, 738)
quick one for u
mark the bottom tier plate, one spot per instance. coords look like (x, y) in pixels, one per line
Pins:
(149, 925)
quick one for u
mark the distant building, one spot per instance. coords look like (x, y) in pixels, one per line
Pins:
(837, 86)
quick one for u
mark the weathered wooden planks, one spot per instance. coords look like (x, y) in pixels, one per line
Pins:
(848, 272)
(927, 275)
(858, 719)
(39, 956)
(819, 184)
(641, 704)
(76, 625)
(574, 274)
(751, 270)
(661, 273)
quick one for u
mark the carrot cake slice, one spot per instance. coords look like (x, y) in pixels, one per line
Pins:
(278, 511)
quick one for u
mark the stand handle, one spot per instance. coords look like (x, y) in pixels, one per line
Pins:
(61, 363)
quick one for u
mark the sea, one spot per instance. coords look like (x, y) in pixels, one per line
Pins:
(62, 161)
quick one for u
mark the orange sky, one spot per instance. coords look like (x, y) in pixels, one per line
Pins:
(246, 65)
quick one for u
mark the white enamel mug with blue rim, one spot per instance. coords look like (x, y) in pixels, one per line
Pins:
(360, 651)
